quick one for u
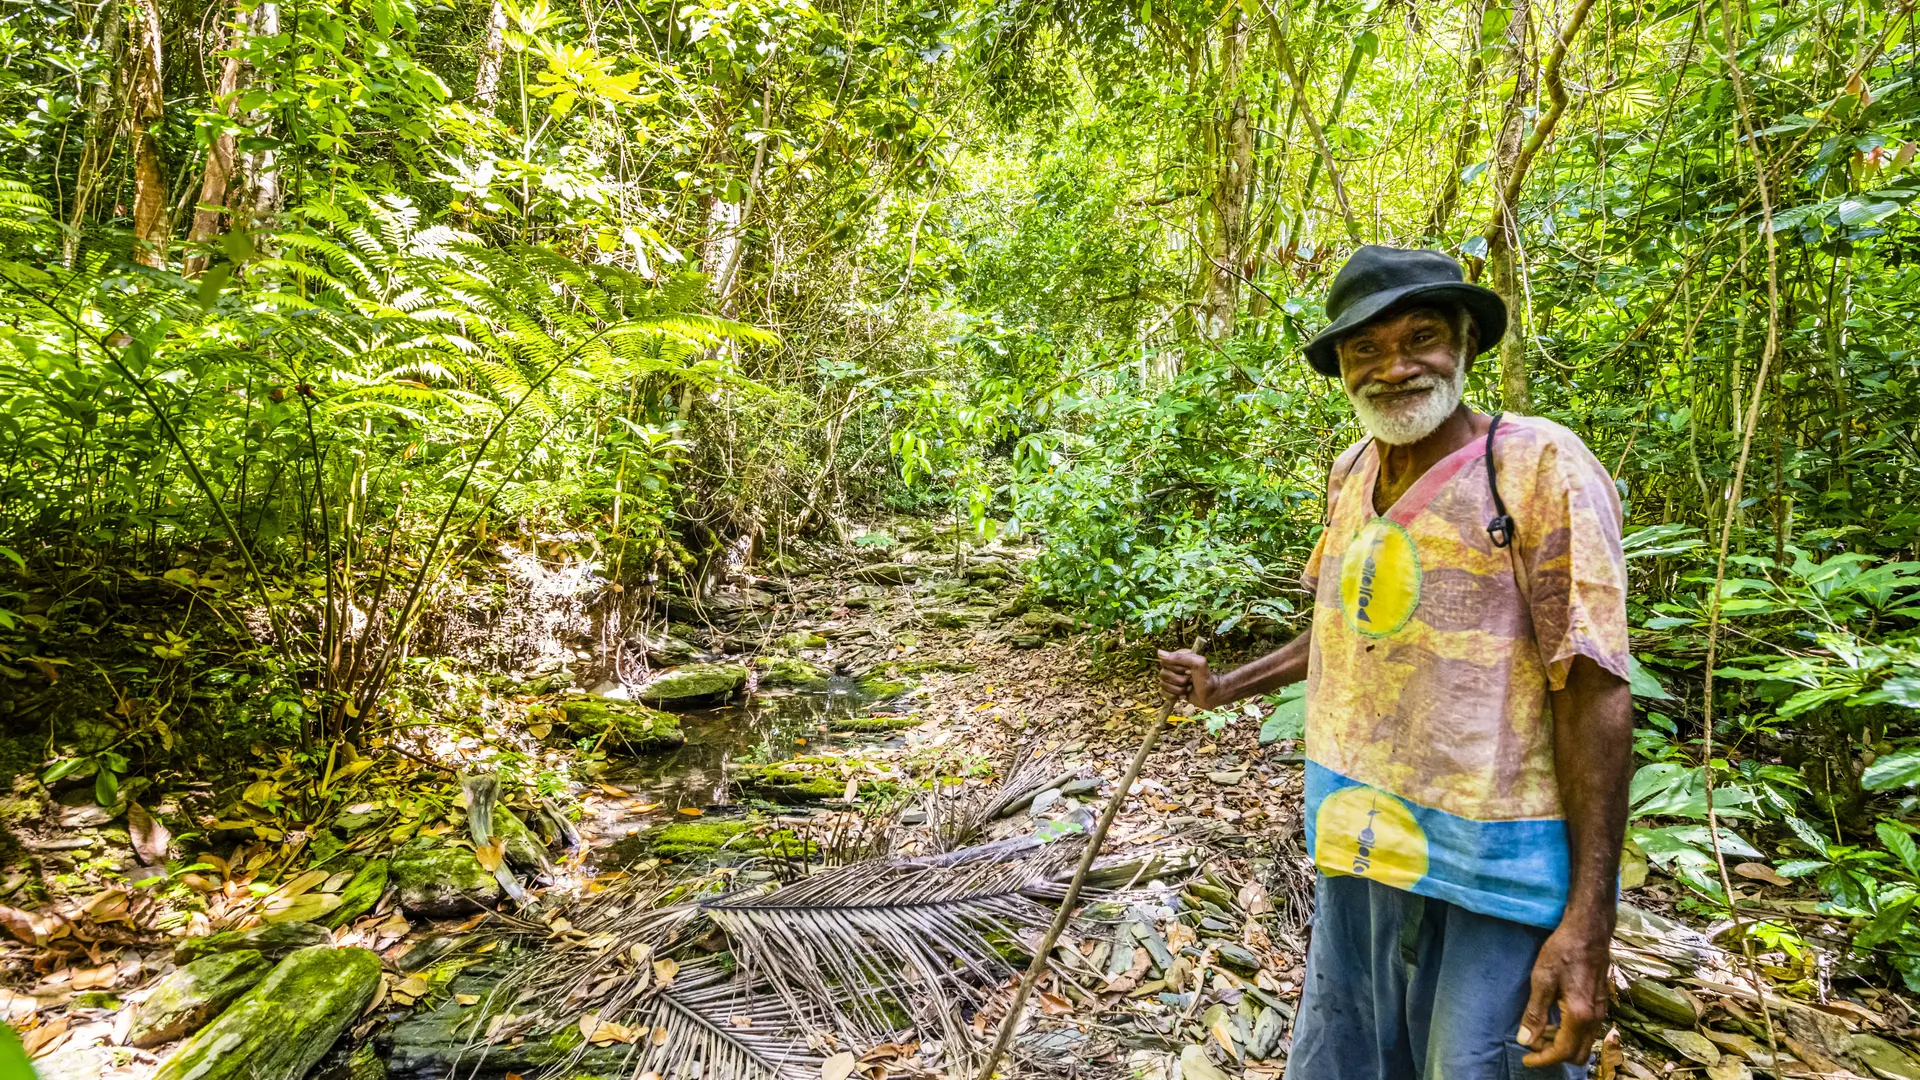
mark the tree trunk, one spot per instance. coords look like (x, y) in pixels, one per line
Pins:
(1503, 233)
(1232, 145)
(152, 224)
(235, 184)
(1469, 126)
(102, 129)
(486, 83)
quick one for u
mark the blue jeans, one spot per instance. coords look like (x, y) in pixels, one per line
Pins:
(1405, 987)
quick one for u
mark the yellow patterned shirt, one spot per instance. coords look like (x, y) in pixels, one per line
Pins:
(1429, 736)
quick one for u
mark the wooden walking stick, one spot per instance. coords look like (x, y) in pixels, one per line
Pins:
(1099, 834)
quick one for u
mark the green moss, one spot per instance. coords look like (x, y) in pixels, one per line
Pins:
(922, 667)
(275, 941)
(436, 881)
(876, 685)
(633, 726)
(285, 1025)
(360, 894)
(808, 780)
(695, 682)
(801, 639)
(189, 996)
(876, 723)
(788, 671)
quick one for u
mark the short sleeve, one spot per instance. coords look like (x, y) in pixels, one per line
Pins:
(1343, 467)
(1570, 531)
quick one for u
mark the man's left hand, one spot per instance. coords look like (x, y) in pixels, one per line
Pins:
(1571, 972)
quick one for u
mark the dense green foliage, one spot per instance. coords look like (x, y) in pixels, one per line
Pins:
(308, 308)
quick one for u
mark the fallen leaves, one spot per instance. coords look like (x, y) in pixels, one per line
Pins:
(838, 1067)
(150, 837)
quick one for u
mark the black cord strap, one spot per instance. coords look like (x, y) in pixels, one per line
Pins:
(1501, 529)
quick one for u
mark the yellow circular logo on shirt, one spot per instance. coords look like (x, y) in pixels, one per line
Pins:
(1380, 579)
(1368, 833)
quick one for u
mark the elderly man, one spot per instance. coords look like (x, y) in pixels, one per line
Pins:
(1469, 726)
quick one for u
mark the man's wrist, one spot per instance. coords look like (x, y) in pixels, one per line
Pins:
(1591, 919)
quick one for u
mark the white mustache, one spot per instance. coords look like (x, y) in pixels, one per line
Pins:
(1418, 382)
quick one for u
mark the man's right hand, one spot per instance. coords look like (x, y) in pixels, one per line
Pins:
(1184, 674)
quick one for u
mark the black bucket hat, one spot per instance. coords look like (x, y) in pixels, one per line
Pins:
(1380, 280)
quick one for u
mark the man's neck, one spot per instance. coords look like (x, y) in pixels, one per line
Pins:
(1402, 466)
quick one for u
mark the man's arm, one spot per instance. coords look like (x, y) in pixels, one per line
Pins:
(1185, 674)
(1592, 755)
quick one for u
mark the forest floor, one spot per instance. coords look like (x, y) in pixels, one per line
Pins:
(915, 674)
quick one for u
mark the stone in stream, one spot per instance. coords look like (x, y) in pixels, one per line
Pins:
(694, 683)
(286, 1024)
(275, 941)
(880, 686)
(182, 1002)
(666, 651)
(789, 671)
(524, 850)
(360, 894)
(633, 726)
(437, 880)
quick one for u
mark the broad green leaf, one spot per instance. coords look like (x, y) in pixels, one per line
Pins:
(1898, 769)
(1643, 683)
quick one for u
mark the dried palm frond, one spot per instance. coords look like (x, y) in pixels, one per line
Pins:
(884, 946)
(714, 1026)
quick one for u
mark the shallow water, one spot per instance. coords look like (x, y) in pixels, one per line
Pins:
(699, 776)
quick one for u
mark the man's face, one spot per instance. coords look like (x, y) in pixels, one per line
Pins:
(1404, 374)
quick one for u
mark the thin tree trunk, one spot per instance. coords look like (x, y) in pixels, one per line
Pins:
(1320, 141)
(235, 184)
(152, 224)
(1502, 233)
(1232, 139)
(1469, 127)
(102, 129)
(486, 83)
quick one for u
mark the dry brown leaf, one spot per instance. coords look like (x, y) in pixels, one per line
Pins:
(1610, 1056)
(740, 1021)
(1754, 871)
(1222, 1031)
(466, 999)
(95, 978)
(664, 969)
(1054, 1004)
(837, 1067)
(692, 811)
(660, 1036)
(1253, 897)
(150, 837)
(489, 855)
(109, 905)
(45, 1038)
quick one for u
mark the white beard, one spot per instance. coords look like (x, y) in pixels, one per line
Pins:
(1406, 424)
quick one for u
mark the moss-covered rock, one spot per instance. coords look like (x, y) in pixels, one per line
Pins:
(807, 779)
(633, 726)
(285, 1025)
(789, 671)
(274, 941)
(694, 683)
(360, 894)
(878, 685)
(800, 639)
(547, 684)
(949, 619)
(692, 839)
(190, 996)
(903, 668)
(437, 880)
(876, 723)
(523, 849)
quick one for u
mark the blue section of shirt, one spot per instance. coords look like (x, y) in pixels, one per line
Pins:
(1514, 870)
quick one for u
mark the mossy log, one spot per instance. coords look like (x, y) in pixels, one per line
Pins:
(693, 683)
(281, 1028)
(182, 1002)
(274, 941)
(633, 726)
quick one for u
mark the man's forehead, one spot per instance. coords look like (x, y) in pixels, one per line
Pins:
(1409, 317)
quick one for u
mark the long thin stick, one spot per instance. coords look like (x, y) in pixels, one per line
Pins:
(1039, 965)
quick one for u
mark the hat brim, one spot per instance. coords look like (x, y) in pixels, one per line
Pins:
(1488, 310)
